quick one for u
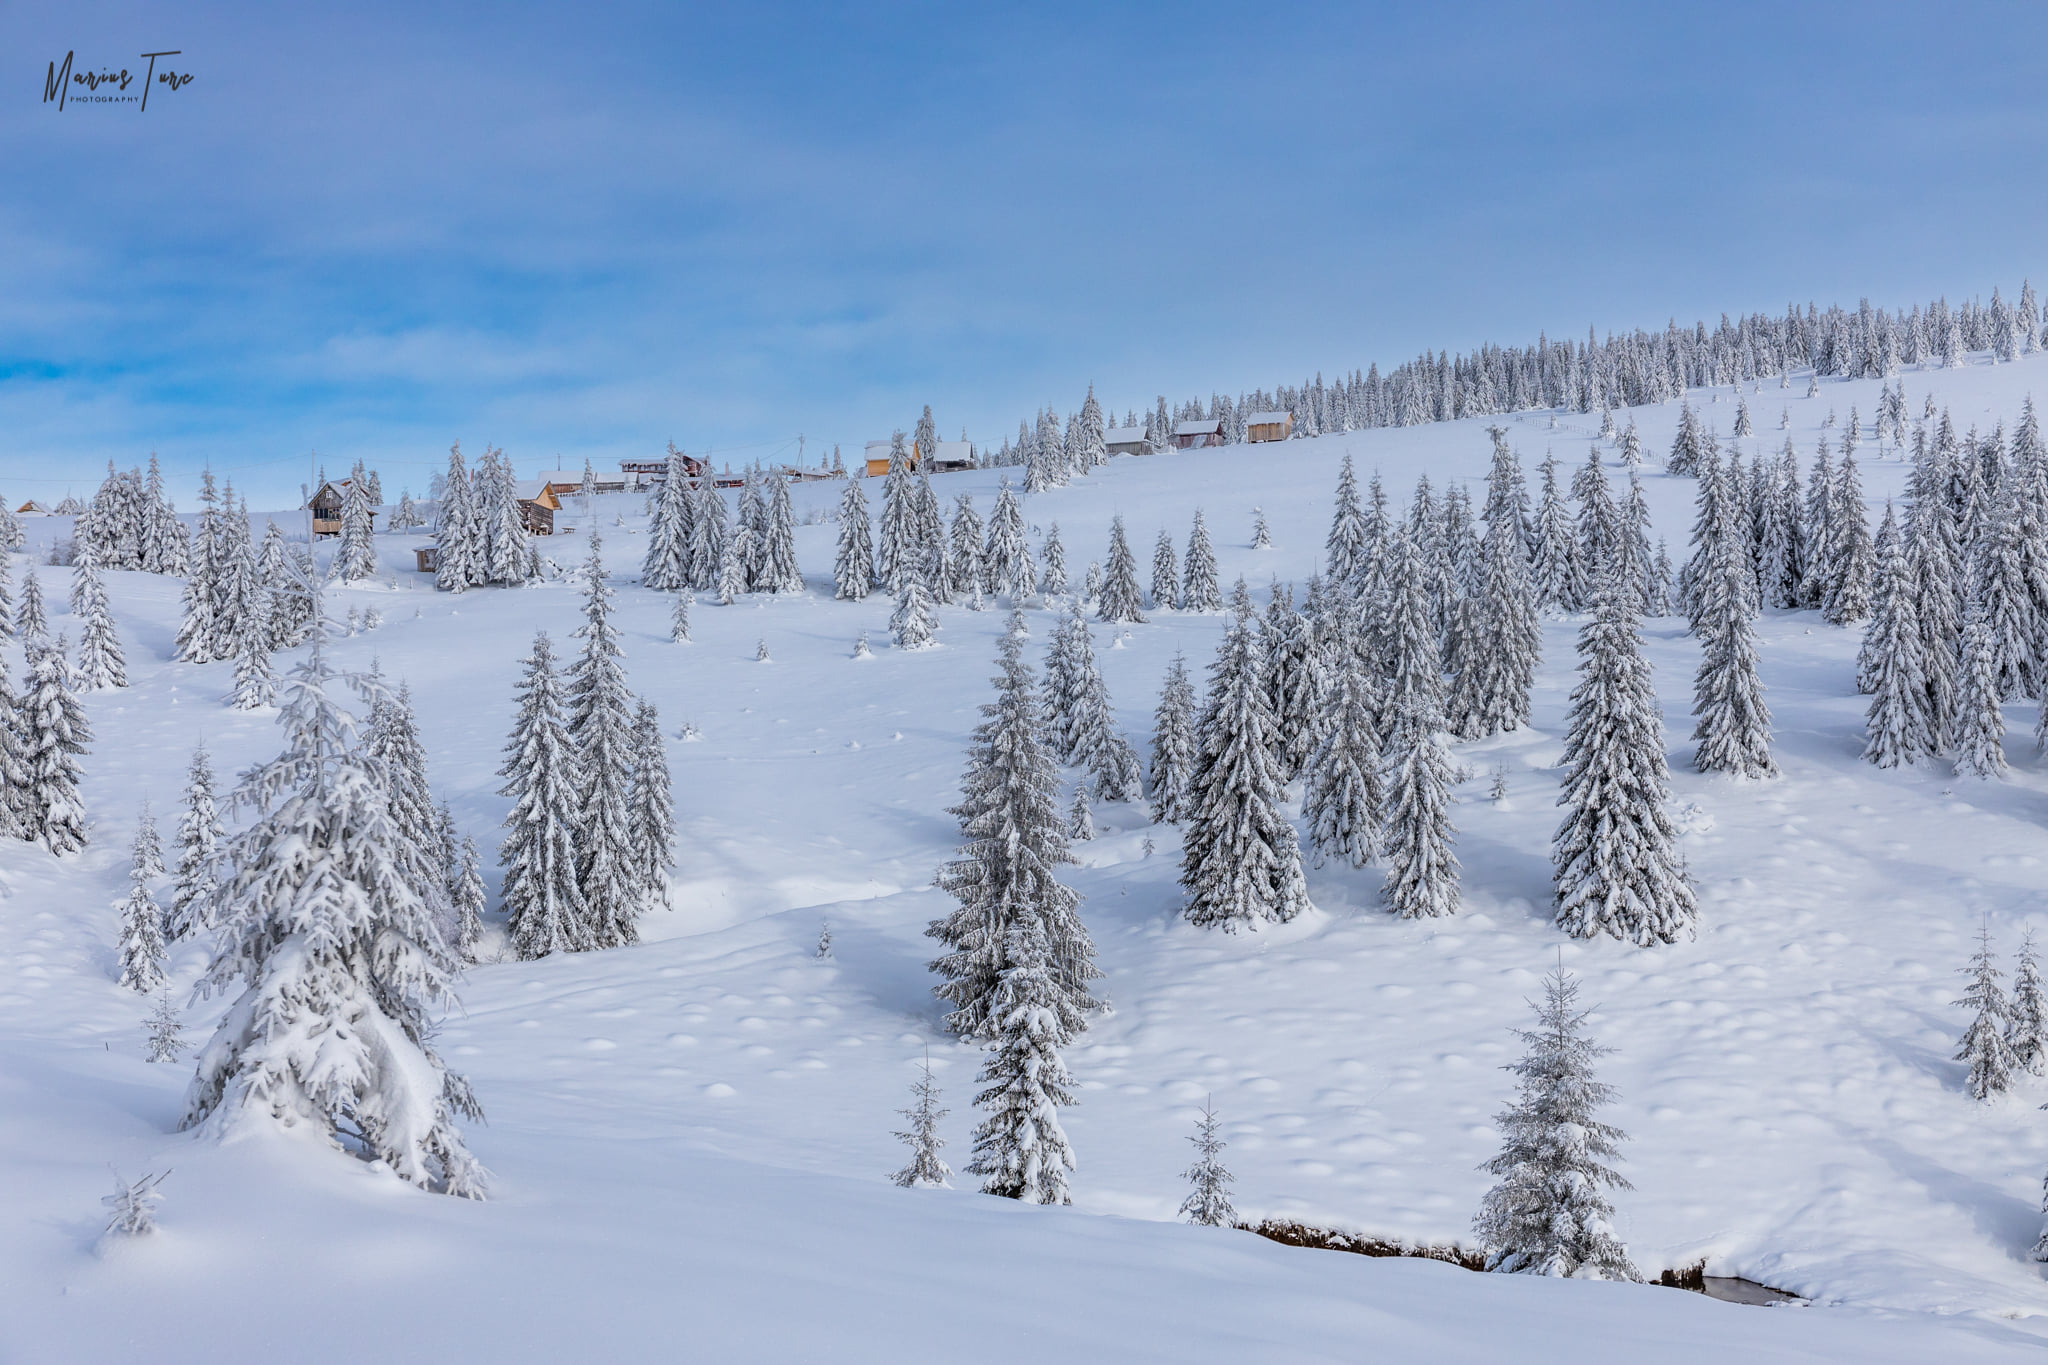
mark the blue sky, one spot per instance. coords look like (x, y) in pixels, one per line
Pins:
(373, 232)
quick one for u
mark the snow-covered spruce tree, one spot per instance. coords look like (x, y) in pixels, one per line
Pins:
(1241, 863)
(457, 542)
(1006, 557)
(1780, 535)
(338, 958)
(1617, 865)
(1262, 535)
(53, 734)
(165, 1030)
(1005, 874)
(1819, 524)
(508, 554)
(666, 567)
(1020, 1150)
(1560, 580)
(1689, 447)
(1165, 573)
(1081, 814)
(1054, 555)
(466, 900)
(1899, 726)
(925, 1170)
(1345, 793)
(1549, 1215)
(17, 816)
(1347, 528)
(2001, 593)
(732, 564)
(1199, 591)
(1298, 683)
(142, 920)
(1850, 556)
(2027, 1018)
(709, 537)
(544, 907)
(913, 623)
(255, 686)
(965, 574)
(1120, 593)
(1734, 730)
(1497, 672)
(1173, 744)
(899, 546)
(853, 569)
(1599, 528)
(1715, 520)
(6, 592)
(752, 534)
(393, 745)
(1979, 729)
(357, 557)
(101, 665)
(653, 821)
(1208, 1203)
(1422, 871)
(779, 571)
(679, 618)
(1984, 1046)
(199, 835)
(1637, 558)
(164, 546)
(599, 711)
(32, 620)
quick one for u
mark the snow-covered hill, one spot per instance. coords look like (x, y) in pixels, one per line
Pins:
(688, 1137)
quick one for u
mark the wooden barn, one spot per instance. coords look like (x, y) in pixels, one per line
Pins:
(1196, 435)
(568, 483)
(326, 505)
(1126, 441)
(1269, 426)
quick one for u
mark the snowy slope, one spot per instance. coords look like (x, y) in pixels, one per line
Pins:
(689, 1136)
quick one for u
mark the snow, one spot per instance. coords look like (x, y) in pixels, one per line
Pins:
(690, 1139)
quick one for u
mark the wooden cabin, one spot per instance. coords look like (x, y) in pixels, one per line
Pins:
(31, 508)
(326, 505)
(428, 557)
(537, 507)
(1126, 441)
(1269, 426)
(1196, 435)
(946, 456)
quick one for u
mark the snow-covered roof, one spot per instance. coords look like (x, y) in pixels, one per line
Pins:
(1260, 419)
(529, 489)
(1123, 436)
(1199, 428)
(560, 477)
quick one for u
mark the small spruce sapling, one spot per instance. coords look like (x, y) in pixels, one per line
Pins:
(2027, 1023)
(133, 1204)
(164, 1030)
(142, 920)
(926, 1170)
(1208, 1204)
(1984, 1044)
